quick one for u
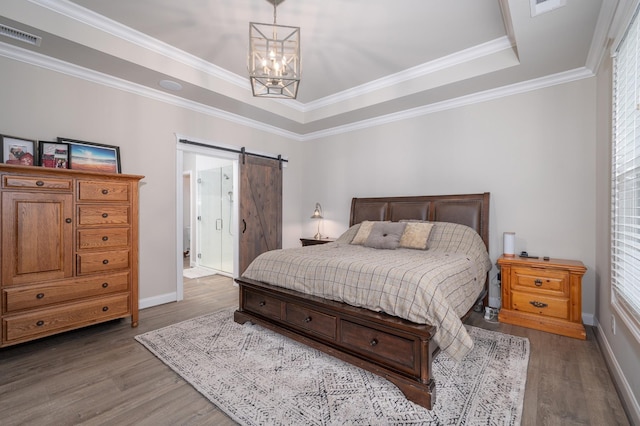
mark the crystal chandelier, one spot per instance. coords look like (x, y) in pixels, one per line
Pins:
(274, 59)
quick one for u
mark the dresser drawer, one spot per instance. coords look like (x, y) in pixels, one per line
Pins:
(262, 304)
(103, 215)
(36, 296)
(540, 304)
(544, 280)
(311, 320)
(89, 263)
(103, 238)
(392, 350)
(67, 317)
(102, 191)
(37, 182)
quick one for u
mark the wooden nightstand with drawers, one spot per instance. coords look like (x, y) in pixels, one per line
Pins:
(543, 294)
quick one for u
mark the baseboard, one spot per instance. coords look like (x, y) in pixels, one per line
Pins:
(588, 319)
(157, 300)
(631, 405)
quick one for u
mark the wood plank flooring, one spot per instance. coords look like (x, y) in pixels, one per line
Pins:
(101, 376)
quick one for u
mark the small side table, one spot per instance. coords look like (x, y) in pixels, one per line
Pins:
(543, 294)
(312, 241)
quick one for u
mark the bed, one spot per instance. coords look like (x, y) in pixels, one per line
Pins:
(321, 295)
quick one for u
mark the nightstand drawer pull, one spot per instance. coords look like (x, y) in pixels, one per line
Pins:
(373, 342)
(538, 304)
(538, 282)
(307, 319)
(39, 295)
(263, 303)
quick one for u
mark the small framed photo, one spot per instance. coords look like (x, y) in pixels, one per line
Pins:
(93, 157)
(54, 155)
(18, 151)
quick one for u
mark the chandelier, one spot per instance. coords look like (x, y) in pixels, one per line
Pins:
(274, 59)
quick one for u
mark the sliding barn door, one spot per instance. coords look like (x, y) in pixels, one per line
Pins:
(260, 208)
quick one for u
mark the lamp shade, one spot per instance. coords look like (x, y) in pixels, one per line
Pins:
(317, 213)
(509, 244)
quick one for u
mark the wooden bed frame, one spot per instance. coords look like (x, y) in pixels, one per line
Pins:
(399, 350)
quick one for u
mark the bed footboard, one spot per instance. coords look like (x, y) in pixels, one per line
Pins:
(396, 349)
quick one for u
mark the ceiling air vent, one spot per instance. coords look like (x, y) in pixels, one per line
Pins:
(20, 35)
(542, 6)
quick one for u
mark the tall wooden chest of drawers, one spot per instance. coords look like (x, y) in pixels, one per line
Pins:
(69, 242)
(543, 294)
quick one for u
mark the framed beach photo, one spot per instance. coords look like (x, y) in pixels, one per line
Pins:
(18, 151)
(92, 157)
(54, 155)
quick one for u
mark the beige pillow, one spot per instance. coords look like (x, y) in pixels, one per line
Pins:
(415, 235)
(363, 232)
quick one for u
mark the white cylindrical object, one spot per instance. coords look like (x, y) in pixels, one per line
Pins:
(509, 244)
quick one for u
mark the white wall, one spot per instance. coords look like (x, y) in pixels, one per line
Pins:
(534, 152)
(41, 104)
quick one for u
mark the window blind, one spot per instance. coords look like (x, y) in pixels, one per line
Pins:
(625, 227)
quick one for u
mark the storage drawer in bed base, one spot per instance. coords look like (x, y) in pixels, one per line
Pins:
(391, 347)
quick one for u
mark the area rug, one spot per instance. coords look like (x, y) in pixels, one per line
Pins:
(259, 377)
(197, 272)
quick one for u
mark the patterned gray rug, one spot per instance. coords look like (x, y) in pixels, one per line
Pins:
(258, 377)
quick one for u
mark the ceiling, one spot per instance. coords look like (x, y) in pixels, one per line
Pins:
(362, 60)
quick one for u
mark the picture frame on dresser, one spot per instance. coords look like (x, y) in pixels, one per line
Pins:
(92, 156)
(53, 155)
(16, 150)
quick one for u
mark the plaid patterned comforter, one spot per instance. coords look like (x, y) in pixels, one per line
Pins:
(434, 286)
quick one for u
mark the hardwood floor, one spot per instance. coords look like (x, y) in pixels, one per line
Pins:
(101, 376)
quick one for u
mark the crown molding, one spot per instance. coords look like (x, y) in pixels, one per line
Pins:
(601, 41)
(52, 64)
(474, 98)
(457, 58)
(43, 61)
(116, 29)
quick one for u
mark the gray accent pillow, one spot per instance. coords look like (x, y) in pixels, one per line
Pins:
(385, 235)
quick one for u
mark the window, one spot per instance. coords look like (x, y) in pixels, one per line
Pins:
(625, 193)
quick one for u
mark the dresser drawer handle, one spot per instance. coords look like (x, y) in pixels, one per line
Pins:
(39, 183)
(262, 303)
(68, 220)
(105, 285)
(105, 191)
(373, 342)
(105, 238)
(39, 295)
(105, 308)
(105, 262)
(307, 319)
(538, 304)
(40, 323)
(538, 282)
(105, 215)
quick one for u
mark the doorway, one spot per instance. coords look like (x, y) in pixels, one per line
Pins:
(208, 214)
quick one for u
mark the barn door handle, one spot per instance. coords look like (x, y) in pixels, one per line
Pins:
(244, 226)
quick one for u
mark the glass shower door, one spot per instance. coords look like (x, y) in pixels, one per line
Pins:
(214, 218)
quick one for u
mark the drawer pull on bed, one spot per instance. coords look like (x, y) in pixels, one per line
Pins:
(373, 342)
(40, 323)
(105, 191)
(307, 319)
(39, 183)
(105, 285)
(262, 303)
(105, 308)
(39, 295)
(538, 304)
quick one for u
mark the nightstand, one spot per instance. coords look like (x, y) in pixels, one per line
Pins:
(312, 241)
(543, 294)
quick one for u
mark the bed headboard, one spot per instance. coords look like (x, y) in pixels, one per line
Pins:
(468, 209)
